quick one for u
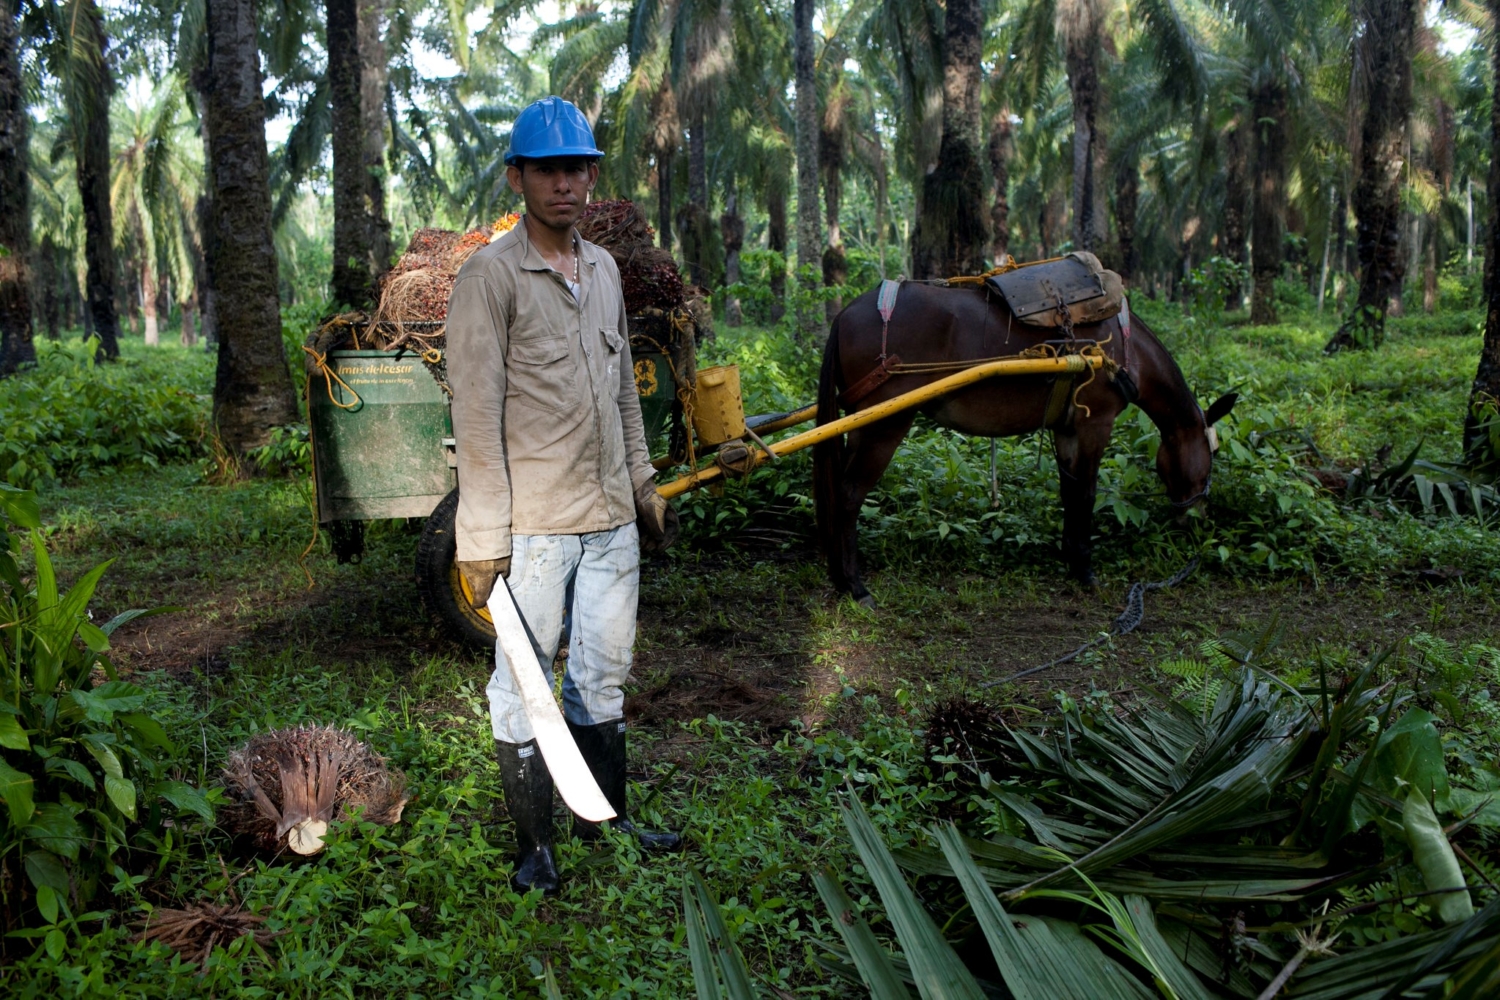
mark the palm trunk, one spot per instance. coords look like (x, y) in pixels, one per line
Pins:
(353, 284)
(950, 237)
(45, 290)
(16, 345)
(1079, 23)
(693, 227)
(1390, 32)
(89, 108)
(1486, 389)
(253, 389)
(1000, 151)
(809, 237)
(831, 159)
(664, 199)
(732, 227)
(1127, 198)
(1237, 194)
(372, 79)
(148, 304)
(776, 243)
(189, 324)
(1268, 109)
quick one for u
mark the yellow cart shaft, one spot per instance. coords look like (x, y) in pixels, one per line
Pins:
(1069, 364)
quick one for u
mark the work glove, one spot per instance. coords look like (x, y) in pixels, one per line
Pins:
(655, 519)
(480, 575)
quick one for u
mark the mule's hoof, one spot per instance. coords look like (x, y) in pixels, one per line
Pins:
(867, 601)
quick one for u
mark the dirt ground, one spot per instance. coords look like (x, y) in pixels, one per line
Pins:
(763, 639)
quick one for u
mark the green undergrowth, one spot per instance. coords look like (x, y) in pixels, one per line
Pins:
(70, 416)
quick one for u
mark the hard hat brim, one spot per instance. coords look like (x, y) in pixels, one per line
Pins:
(567, 152)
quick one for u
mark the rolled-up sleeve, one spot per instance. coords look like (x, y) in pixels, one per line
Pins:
(477, 338)
(637, 457)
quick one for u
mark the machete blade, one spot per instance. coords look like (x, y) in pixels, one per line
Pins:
(574, 781)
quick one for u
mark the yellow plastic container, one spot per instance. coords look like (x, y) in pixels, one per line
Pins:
(718, 410)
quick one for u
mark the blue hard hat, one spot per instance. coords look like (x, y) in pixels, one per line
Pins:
(550, 127)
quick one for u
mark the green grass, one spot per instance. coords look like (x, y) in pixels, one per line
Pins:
(757, 694)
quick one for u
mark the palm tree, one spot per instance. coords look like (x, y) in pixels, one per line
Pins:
(154, 192)
(951, 232)
(253, 388)
(809, 236)
(1388, 39)
(74, 47)
(1486, 388)
(16, 346)
(361, 233)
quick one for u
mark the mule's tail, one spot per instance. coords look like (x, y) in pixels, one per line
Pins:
(828, 466)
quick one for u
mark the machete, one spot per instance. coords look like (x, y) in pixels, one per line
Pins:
(569, 772)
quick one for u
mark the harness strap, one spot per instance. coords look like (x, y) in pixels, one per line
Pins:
(1059, 401)
(878, 376)
(885, 302)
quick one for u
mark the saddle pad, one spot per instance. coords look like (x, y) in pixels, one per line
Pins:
(1077, 282)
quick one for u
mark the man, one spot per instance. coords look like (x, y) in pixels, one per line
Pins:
(555, 481)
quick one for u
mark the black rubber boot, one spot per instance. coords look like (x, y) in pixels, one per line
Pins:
(528, 799)
(603, 747)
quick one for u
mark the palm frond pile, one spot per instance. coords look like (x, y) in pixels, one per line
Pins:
(1241, 844)
(286, 785)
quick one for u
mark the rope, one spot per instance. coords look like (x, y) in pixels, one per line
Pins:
(329, 377)
(1006, 265)
(1127, 622)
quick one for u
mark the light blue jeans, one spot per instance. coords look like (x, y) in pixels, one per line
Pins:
(593, 581)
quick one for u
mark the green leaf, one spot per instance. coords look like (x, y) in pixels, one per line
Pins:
(46, 578)
(16, 789)
(76, 601)
(730, 964)
(108, 628)
(1410, 751)
(101, 704)
(936, 967)
(122, 793)
(54, 826)
(105, 755)
(56, 944)
(75, 770)
(12, 736)
(187, 798)
(148, 729)
(93, 637)
(872, 961)
(46, 868)
(705, 976)
(553, 992)
(1164, 961)
(46, 903)
(20, 507)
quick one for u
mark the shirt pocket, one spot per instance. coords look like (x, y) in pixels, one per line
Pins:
(542, 373)
(613, 358)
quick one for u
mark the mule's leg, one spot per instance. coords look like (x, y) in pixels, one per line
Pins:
(870, 451)
(1079, 451)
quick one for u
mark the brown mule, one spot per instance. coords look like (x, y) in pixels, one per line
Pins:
(933, 325)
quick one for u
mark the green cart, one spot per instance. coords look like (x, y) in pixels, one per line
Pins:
(382, 444)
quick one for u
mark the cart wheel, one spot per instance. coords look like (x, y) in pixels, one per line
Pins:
(443, 588)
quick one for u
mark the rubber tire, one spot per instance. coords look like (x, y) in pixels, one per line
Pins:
(441, 586)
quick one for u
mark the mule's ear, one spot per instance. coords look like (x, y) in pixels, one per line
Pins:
(1220, 408)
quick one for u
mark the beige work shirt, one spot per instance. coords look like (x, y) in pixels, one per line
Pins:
(545, 412)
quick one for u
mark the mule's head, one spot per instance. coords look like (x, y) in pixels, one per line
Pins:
(1185, 459)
